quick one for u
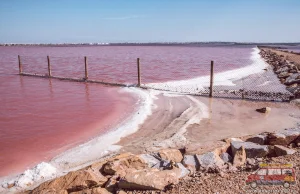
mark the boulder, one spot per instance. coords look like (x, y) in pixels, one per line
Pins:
(292, 79)
(282, 70)
(191, 161)
(224, 148)
(112, 184)
(283, 138)
(226, 157)
(258, 139)
(164, 165)
(150, 159)
(97, 190)
(239, 158)
(170, 154)
(184, 171)
(118, 166)
(272, 152)
(282, 151)
(73, 181)
(210, 159)
(264, 110)
(149, 179)
(97, 166)
(252, 149)
(284, 75)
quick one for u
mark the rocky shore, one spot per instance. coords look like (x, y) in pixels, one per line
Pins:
(221, 170)
(286, 65)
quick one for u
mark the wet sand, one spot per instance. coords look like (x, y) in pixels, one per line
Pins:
(224, 118)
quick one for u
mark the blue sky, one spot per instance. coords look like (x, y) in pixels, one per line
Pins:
(54, 21)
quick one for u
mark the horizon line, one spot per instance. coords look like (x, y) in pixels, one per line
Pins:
(157, 42)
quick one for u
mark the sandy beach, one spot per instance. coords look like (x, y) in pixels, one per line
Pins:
(221, 118)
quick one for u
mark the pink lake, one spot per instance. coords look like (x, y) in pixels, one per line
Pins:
(40, 118)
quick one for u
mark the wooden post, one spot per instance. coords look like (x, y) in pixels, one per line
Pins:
(20, 65)
(49, 66)
(86, 68)
(211, 78)
(139, 72)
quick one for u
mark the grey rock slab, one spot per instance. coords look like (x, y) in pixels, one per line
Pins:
(253, 150)
(184, 170)
(258, 139)
(226, 157)
(209, 159)
(150, 159)
(282, 151)
(190, 160)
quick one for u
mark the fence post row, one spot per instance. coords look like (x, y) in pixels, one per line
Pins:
(49, 66)
(211, 78)
(139, 72)
(86, 68)
(20, 65)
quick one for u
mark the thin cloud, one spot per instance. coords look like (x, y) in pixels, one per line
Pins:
(124, 18)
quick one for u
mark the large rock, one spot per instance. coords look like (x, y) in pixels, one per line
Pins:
(150, 159)
(164, 165)
(98, 166)
(210, 159)
(118, 166)
(190, 161)
(282, 151)
(292, 79)
(149, 179)
(73, 181)
(97, 190)
(183, 171)
(226, 157)
(112, 184)
(171, 154)
(283, 138)
(258, 139)
(224, 148)
(252, 150)
(284, 75)
(239, 157)
(282, 69)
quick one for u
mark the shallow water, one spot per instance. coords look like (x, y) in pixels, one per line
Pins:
(39, 118)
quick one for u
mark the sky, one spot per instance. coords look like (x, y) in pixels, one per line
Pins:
(78, 21)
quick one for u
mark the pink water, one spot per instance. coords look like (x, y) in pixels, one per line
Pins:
(40, 118)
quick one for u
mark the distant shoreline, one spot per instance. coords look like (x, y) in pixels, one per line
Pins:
(279, 45)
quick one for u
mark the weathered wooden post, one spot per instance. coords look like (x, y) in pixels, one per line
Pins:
(86, 68)
(49, 66)
(211, 78)
(20, 65)
(139, 72)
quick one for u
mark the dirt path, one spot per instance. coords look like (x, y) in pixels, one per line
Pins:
(288, 56)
